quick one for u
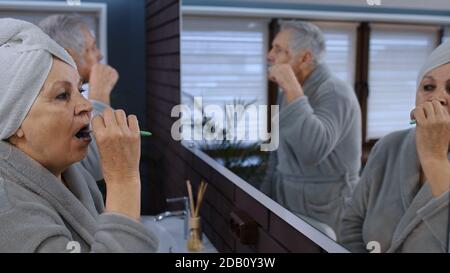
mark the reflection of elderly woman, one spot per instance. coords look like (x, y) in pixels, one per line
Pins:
(47, 199)
(402, 200)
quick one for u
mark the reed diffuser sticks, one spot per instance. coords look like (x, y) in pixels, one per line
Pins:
(194, 240)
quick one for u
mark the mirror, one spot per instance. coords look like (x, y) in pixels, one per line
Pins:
(278, 93)
(93, 13)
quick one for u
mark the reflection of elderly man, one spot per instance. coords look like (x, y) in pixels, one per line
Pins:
(318, 160)
(74, 34)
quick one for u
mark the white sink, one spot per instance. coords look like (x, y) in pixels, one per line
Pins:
(170, 232)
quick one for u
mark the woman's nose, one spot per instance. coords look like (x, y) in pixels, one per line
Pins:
(443, 97)
(84, 106)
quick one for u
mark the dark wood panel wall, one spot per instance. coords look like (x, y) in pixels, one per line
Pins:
(172, 164)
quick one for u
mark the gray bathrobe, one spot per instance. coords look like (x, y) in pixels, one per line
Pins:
(316, 165)
(92, 161)
(389, 206)
(38, 213)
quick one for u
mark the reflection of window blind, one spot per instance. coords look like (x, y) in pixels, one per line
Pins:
(396, 55)
(341, 49)
(224, 60)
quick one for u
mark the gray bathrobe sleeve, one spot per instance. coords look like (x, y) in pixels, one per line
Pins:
(92, 160)
(314, 132)
(38, 213)
(39, 229)
(114, 233)
(34, 227)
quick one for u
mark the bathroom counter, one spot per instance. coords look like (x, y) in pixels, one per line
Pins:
(170, 232)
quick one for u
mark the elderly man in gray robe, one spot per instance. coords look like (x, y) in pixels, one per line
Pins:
(317, 163)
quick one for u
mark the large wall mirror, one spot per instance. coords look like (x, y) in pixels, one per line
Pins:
(95, 15)
(35, 11)
(324, 169)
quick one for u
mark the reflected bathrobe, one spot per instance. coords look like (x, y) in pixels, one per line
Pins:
(38, 213)
(390, 208)
(318, 160)
(92, 161)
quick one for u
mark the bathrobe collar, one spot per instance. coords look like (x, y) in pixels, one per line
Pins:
(416, 200)
(320, 74)
(78, 184)
(37, 179)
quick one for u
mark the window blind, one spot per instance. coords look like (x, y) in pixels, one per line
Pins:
(224, 60)
(396, 55)
(340, 39)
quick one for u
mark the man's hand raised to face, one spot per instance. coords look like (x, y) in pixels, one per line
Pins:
(283, 75)
(102, 80)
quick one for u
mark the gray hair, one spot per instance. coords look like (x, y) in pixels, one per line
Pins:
(66, 30)
(305, 36)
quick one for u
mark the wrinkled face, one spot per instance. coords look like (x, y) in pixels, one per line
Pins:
(56, 129)
(435, 86)
(90, 56)
(280, 52)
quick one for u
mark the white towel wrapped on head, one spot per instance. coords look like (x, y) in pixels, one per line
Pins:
(26, 57)
(438, 57)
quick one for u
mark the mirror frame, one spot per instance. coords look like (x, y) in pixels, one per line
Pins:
(296, 222)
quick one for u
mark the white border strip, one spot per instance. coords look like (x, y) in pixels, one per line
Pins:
(316, 15)
(296, 222)
(99, 8)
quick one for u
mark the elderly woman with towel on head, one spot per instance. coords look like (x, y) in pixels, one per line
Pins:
(49, 201)
(401, 203)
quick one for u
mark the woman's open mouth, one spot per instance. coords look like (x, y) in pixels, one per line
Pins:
(84, 134)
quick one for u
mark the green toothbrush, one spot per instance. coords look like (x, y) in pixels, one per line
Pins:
(145, 133)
